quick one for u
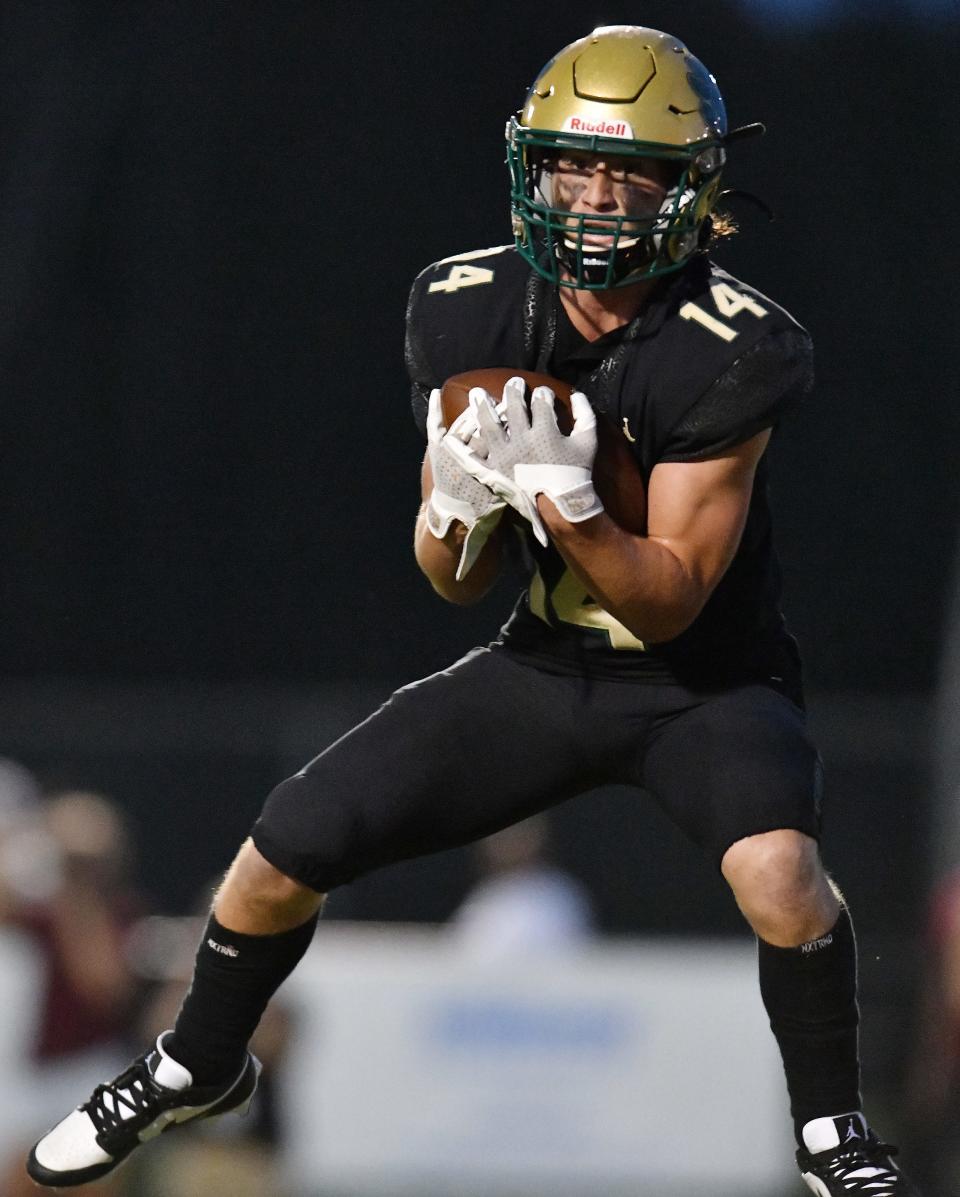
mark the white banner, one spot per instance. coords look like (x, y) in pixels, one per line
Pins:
(616, 1067)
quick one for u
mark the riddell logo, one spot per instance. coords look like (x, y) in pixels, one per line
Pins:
(576, 124)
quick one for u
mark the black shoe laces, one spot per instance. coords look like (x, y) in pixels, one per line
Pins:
(125, 1105)
(883, 1181)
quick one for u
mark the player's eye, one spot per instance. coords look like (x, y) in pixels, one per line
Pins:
(635, 174)
(617, 171)
(568, 165)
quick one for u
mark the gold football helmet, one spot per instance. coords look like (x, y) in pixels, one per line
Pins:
(624, 92)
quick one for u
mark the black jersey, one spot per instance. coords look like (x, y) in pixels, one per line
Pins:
(707, 364)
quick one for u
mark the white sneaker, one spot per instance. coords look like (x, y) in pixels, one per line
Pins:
(842, 1157)
(151, 1096)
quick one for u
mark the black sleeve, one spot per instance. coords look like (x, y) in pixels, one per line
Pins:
(753, 393)
(418, 370)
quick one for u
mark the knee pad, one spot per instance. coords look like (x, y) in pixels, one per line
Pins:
(311, 837)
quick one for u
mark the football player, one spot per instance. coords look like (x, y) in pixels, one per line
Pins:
(659, 660)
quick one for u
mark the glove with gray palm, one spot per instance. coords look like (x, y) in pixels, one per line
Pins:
(520, 455)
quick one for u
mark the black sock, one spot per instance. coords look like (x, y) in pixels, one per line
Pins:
(810, 993)
(233, 979)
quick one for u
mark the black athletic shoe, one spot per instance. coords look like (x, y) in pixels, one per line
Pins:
(154, 1094)
(842, 1157)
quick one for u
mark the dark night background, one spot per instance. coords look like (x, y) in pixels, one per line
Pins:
(211, 216)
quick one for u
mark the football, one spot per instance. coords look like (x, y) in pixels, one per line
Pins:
(616, 474)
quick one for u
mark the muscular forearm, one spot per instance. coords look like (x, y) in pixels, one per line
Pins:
(656, 585)
(438, 561)
(639, 581)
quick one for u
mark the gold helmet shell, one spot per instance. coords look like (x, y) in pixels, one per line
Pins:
(625, 81)
(628, 91)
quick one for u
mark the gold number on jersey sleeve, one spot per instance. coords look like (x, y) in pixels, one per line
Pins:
(729, 303)
(462, 276)
(692, 311)
(571, 604)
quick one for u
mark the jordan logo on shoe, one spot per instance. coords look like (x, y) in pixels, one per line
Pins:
(852, 1132)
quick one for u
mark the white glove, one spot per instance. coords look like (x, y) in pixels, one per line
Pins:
(456, 495)
(561, 467)
(534, 455)
(490, 454)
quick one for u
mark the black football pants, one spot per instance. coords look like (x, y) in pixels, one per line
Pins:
(492, 740)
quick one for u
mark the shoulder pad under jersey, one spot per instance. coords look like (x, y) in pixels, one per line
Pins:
(466, 312)
(723, 362)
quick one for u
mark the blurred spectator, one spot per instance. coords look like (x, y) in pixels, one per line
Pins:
(522, 901)
(19, 971)
(65, 886)
(19, 796)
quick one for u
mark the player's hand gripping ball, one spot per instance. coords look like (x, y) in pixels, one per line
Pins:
(616, 474)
